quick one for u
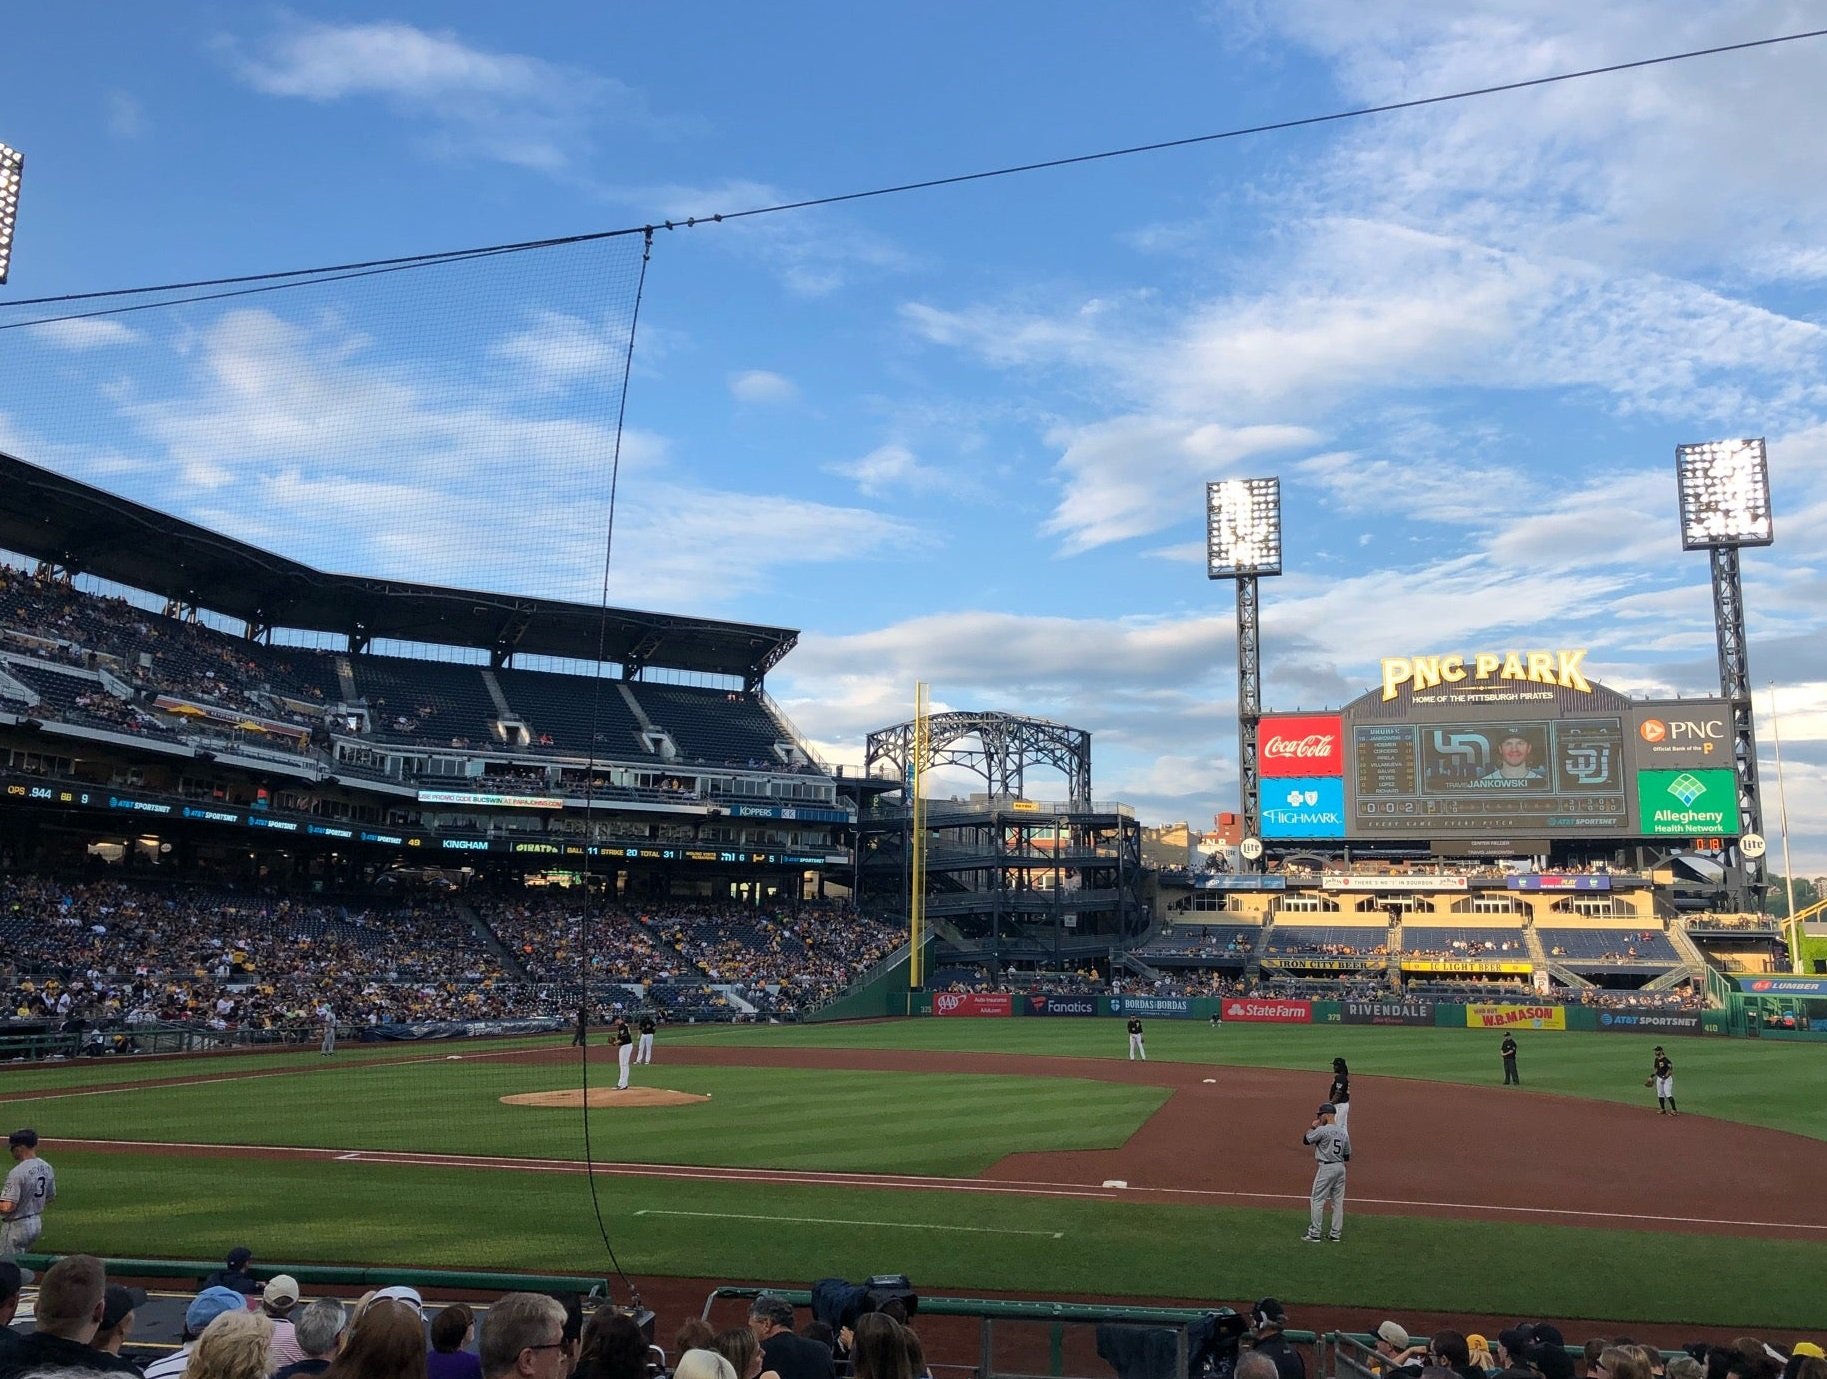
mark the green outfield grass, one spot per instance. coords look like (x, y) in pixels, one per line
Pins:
(946, 1124)
(947, 1242)
(421, 1097)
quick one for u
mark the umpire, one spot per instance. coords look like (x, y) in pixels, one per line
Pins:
(1508, 1050)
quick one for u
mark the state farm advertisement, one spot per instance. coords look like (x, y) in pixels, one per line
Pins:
(980, 1003)
(1271, 1011)
(1311, 744)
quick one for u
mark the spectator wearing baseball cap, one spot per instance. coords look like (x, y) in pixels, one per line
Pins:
(277, 1301)
(118, 1306)
(1268, 1320)
(1394, 1352)
(234, 1273)
(71, 1299)
(211, 1303)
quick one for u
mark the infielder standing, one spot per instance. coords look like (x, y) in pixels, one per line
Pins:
(1340, 1095)
(29, 1189)
(327, 1017)
(645, 1055)
(1331, 1151)
(1135, 1040)
(1662, 1075)
(624, 1050)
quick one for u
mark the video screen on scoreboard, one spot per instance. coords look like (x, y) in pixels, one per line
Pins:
(1542, 776)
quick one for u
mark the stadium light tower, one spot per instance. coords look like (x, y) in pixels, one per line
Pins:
(1725, 504)
(1243, 543)
(12, 164)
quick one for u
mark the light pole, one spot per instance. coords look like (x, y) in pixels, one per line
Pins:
(1242, 543)
(1725, 504)
(12, 165)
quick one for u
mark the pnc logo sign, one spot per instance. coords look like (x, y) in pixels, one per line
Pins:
(1301, 745)
(1702, 735)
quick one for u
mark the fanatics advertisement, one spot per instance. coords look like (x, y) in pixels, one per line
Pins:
(1682, 804)
(1062, 1005)
(1267, 1011)
(1301, 745)
(1515, 1017)
(1170, 1007)
(1303, 807)
(1647, 1022)
(979, 1003)
(1387, 1013)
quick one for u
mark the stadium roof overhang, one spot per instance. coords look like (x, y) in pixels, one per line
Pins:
(86, 530)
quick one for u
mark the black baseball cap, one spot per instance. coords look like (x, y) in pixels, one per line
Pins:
(239, 1256)
(117, 1302)
(27, 1137)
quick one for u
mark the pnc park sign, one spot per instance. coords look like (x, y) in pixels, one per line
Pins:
(1561, 668)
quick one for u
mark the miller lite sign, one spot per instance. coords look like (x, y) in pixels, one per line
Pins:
(1301, 745)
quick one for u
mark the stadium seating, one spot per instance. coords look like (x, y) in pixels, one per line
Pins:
(568, 713)
(425, 701)
(1331, 940)
(1608, 945)
(1484, 943)
(714, 726)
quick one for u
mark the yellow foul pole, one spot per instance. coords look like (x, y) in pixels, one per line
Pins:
(916, 890)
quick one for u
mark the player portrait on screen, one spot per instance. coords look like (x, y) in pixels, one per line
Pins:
(1516, 760)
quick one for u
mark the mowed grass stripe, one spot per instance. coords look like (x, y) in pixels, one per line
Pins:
(925, 1123)
(1755, 1082)
(139, 1204)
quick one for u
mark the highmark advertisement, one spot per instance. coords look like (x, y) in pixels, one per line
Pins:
(1687, 803)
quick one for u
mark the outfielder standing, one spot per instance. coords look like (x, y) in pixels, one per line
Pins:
(624, 1050)
(326, 1016)
(1135, 1040)
(1662, 1077)
(647, 1028)
(30, 1188)
(1331, 1151)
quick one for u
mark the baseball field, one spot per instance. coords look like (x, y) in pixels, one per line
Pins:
(1021, 1156)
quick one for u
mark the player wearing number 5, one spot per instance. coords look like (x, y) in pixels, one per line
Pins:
(29, 1189)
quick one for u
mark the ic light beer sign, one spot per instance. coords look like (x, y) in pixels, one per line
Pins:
(1301, 745)
(1420, 673)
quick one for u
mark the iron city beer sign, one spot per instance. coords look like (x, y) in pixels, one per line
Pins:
(1419, 673)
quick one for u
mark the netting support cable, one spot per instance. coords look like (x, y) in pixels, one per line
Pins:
(586, 921)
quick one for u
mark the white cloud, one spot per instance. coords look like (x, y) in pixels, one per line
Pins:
(889, 467)
(556, 350)
(126, 116)
(763, 387)
(1134, 475)
(507, 107)
(95, 333)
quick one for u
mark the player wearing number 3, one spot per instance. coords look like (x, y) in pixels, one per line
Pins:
(29, 1189)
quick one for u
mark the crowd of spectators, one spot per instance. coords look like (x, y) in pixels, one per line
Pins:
(1469, 948)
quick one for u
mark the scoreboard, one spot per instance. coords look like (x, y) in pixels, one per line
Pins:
(1517, 745)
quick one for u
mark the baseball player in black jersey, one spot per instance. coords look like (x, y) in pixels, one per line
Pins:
(1135, 1040)
(1340, 1093)
(1508, 1050)
(645, 1053)
(624, 1050)
(1662, 1078)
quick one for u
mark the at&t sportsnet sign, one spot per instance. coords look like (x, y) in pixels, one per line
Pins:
(1647, 1022)
(1301, 745)
(1267, 1011)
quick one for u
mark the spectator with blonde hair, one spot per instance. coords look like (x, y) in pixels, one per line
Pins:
(233, 1346)
(739, 1346)
(704, 1364)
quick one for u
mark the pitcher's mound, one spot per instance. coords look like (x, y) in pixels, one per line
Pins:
(606, 1096)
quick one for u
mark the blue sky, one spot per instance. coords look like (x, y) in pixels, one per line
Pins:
(961, 435)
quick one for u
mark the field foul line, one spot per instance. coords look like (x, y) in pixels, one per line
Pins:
(840, 1221)
(826, 1178)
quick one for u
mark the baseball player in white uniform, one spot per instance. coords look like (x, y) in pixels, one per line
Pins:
(645, 1053)
(327, 1018)
(1331, 1151)
(1136, 1051)
(30, 1187)
(624, 1050)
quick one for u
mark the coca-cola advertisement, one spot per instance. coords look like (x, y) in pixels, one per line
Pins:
(1308, 744)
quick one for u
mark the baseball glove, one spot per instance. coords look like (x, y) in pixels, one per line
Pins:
(1649, 1082)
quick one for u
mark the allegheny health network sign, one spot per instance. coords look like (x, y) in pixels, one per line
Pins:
(1687, 803)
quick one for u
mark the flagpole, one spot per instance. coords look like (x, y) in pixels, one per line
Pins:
(1782, 807)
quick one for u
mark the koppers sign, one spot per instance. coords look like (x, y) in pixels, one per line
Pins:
(1386, 1013)
(1268, 1012)
(1647, 1022)
(984, 1003)
(1516, 1017)
(1301, 745)
(1062, 1005)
